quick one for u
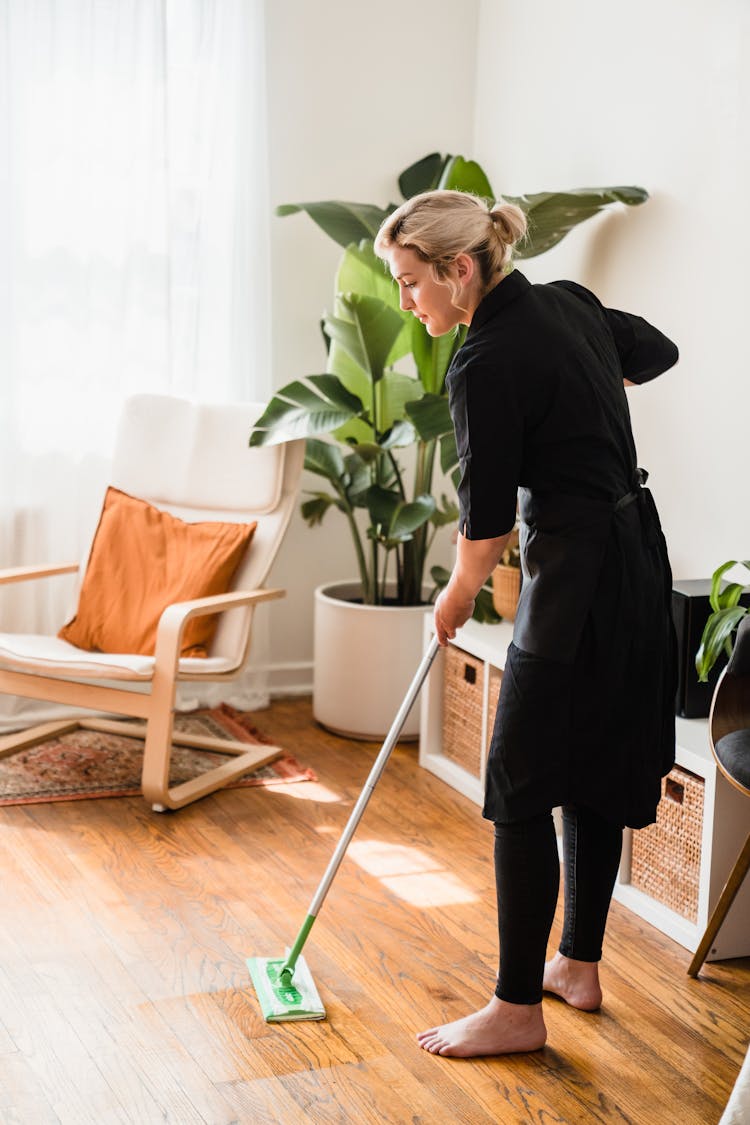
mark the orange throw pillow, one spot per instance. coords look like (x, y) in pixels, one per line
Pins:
(141, 561)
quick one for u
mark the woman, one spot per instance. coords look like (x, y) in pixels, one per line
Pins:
(586, 712)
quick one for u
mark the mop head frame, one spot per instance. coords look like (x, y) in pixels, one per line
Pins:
(280, 1002)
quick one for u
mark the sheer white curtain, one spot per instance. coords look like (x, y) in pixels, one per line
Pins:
(133, 252)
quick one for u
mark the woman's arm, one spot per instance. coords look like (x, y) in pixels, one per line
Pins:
(644, 351)
(475, 561)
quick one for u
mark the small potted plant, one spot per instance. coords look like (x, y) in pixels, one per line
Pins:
(718, 633)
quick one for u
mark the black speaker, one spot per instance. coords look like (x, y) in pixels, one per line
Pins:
(690, 611)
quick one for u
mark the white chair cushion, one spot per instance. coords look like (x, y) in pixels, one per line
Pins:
(24, 652)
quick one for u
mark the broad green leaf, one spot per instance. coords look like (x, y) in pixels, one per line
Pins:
(386, 401)
(356, 433)
(466, 175)
(395, 523)
(361, 271)
(343, 331)
(343, 222)
(731, 594)
(717, 632)
(553, 214)
(369, 451)
(410, 516)
(432, 355)
(352, 376)
(431, 416)
(369, 332)
(718, 597)
(304, 409)
(446, 514)
(423, 175)
(359, 479)
(381, 504)
(440, 576)
(314, 509)
(395, 391)
(325, 459)
(399, 436)
(484, 608)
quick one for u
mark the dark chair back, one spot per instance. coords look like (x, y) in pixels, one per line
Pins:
(729, 721)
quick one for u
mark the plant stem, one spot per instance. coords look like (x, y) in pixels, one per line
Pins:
(374, 600)
(361, 560)
(415, 551)
(397, 471)
(384, 582)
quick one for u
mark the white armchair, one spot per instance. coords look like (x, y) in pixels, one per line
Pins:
(193, 461)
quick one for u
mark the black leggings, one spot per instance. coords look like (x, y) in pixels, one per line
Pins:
(527, 876)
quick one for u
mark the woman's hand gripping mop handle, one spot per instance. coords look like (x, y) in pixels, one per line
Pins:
(287, 970)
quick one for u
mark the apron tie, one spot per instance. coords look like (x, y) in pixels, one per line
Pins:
(639, 480)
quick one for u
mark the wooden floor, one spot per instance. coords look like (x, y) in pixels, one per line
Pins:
(124, 995)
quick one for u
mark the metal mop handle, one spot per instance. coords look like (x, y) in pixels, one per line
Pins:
(356, 814)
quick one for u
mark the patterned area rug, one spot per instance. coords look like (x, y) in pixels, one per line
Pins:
(86, 763)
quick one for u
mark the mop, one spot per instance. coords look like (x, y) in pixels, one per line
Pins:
(285, 987)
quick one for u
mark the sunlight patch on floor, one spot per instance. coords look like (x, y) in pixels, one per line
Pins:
(306, 791)
(413, 876)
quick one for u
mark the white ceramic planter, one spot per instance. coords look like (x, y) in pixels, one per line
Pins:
(364, 660)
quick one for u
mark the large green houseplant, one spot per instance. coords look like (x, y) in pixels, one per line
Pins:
(378, 414)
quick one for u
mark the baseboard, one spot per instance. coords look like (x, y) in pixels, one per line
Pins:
(290, 679)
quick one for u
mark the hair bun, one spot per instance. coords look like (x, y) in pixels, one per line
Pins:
(509, 222)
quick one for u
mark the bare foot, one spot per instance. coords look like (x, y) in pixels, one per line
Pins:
(499, 1028)
(576, 982)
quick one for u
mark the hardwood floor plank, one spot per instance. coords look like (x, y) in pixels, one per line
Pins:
(64, 1072)
(22, 1099)
(264, 1101)
(639, 958)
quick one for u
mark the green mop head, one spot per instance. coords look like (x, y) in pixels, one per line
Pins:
(281, 1000)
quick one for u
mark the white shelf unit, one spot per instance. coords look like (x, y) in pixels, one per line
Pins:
(726, 811)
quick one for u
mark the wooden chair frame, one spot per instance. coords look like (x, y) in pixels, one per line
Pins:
(155, 706)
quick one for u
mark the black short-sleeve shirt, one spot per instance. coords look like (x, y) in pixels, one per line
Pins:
(537, 398)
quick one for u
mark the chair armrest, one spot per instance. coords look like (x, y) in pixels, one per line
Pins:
(173, 619)
(25, 573)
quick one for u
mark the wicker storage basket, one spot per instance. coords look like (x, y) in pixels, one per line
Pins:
(463, 698)
(666, 856)
(506, 586)
(463, 691)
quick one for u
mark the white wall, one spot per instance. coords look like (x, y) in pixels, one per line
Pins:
(591, 94)
(356, 94)
(544, 95)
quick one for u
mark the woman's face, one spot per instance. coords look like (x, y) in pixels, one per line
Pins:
(428, 299)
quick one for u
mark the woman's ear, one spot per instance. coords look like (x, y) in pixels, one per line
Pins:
(466, 268)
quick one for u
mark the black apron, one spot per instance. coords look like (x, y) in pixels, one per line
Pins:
(586, 708)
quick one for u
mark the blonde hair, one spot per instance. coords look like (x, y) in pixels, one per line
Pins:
(440, 225)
